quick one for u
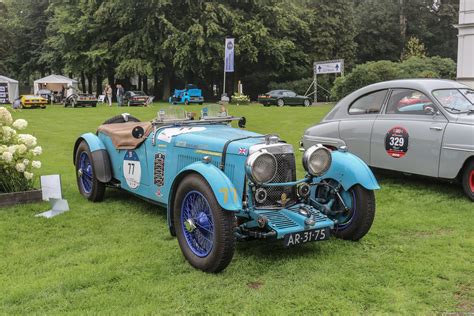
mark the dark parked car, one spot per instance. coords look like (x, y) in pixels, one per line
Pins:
(283, 97)
(135, 98)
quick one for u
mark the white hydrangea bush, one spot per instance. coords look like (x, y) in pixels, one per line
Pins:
(18, 155)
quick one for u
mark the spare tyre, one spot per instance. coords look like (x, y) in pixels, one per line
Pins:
(122, 118)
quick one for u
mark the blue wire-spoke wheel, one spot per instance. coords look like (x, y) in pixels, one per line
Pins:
(85, 172)
(354, 222)
(89, 186)
(203, 228)
(197, 223)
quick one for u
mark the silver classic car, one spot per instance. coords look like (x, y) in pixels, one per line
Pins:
(417, 126)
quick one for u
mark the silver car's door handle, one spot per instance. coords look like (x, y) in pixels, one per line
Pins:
(436, 128)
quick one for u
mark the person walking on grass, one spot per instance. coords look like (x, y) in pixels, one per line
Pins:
(108, 94)
(120, 93)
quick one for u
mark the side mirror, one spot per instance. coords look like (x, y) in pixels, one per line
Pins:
(242, 122)
(429, 110)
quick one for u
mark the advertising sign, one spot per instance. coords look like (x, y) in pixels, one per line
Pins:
(229, 55)
(4, 93)
(329, 67)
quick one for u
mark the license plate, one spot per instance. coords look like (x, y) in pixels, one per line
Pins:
(298, 238)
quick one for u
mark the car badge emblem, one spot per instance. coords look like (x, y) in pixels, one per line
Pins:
(283, 199)
(242, 151)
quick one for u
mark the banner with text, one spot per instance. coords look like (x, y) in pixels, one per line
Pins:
(229, 55)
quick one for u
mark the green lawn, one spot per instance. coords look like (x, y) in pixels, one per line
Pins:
(117, 257)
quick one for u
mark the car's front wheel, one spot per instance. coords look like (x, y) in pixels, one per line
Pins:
(354, 221)
(468, 180)
(203, 228)
(307, 103)
(280, 102)
(89, 186)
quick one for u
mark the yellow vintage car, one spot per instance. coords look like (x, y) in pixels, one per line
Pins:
(31, 101)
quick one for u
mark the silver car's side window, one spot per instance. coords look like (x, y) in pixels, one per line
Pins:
(408, 101)
(368, 104)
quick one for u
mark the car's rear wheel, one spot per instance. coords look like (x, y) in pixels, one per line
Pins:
(354, 222)
(280, 102)
(203, 228)
(306, 103)
(89, 186)
(121, 119)
(468, 180)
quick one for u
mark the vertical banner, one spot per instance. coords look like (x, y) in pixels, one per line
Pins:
(229, 55)
(4, 93)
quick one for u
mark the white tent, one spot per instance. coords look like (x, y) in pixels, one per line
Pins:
(8, 90)
(54, 83)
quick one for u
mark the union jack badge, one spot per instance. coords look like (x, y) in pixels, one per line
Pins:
(242, 151)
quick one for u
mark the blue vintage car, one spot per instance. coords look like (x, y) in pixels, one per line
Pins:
(190, 94)
(220, 184)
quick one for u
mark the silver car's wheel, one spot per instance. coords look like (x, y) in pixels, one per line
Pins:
(280, 102)
(307, 103)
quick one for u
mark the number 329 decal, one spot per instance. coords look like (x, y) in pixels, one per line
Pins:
(396, 142)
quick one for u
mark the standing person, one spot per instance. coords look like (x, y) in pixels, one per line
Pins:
(108, 93)
(120, 93)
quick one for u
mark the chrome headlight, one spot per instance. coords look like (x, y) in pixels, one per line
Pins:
(261, 167)
(317, 160)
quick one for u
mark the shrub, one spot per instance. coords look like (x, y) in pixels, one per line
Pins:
(17, 154)
(413, 67)
(240, 99)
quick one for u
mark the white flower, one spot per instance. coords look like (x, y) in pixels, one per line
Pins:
(26, 162)
(8, 133)
(28, 175)
(36, 164)
(22, 149)
(5, 117)
(37, 151)
(12, 149)
(28, 140)
(7, 156)
(20, 167)
(20, 124)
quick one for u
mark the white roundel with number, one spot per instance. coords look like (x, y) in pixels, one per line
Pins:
(132, 170)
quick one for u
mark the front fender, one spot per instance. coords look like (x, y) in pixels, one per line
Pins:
(348, 169)
(224, 190)
(100, 157)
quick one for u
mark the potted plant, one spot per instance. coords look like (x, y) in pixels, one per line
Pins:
(18, 161)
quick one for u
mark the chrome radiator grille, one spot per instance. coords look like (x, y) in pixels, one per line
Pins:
(286, 172)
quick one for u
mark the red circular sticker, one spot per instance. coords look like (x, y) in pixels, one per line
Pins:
(396, 142)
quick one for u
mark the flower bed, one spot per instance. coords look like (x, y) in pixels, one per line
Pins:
(18, 155)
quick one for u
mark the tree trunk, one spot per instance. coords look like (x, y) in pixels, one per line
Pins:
(139, 83)
(89, 83)
(111, 79)
(99, 88)
(156, 88)
(83, 81)
(166, 87)
(145, 84)
(403, 26)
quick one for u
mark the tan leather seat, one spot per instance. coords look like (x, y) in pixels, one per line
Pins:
(127, 135)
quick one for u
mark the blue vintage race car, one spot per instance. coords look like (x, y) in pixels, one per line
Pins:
(220, 184)
(190, 94)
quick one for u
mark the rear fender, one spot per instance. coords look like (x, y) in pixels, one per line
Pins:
(100, 157)
(349, 170)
